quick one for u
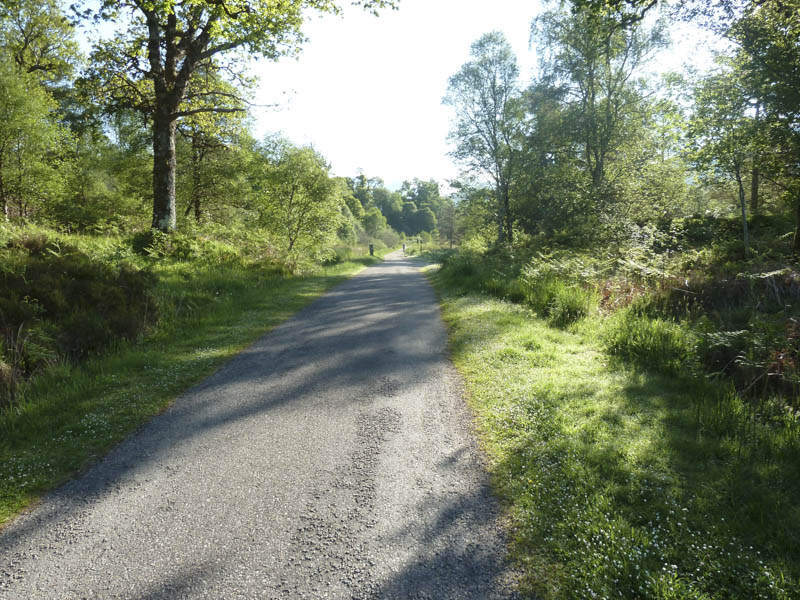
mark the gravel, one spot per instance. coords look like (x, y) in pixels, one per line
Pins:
(332, 459)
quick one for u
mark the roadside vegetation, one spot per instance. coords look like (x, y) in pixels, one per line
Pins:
(106, 336)
(644, 447)
(623, 299)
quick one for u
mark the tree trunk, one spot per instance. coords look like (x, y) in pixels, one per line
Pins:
(754, 190)
(796, 240)
(164, 217)
(755, 174)
(509, 226)
(3, 196)
(501, 218)
(198, 153)
(194, 205)
(743, 205)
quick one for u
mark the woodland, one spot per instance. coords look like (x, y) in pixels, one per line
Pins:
(95, 180)
(623, 300)
(650, 223)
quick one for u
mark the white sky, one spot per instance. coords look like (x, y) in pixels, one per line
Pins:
(366, 92)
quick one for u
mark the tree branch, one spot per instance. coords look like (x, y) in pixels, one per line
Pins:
(195, 111)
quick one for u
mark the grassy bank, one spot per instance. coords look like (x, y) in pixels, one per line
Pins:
(71, 413)
(620, 482)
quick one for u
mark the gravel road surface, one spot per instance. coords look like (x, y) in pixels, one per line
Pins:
(331, 459)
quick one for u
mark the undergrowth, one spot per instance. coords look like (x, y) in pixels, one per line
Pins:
(640, 407)
(101, 332)
(683, 299)
(621, 482)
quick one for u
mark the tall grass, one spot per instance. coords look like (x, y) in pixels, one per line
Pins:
(655, 344)
(563, 301)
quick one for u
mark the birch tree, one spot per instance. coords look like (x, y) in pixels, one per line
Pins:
(298, 201)
(488, 121)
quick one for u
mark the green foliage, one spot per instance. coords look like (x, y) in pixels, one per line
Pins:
(421, 207)
(374, 221)
(166, 59)
(59, 303)
(534, 283)
(621, 482)
(389, 238)
(656, 344)
(560, 289)
(72, 297)
(299, 203)
(157, 244)
(215, 155)
(679, 299)
(590, 65)
(208, 311)
(570, 303)
(30, 140)
(769, 58)
(38, 39)
(488, 128)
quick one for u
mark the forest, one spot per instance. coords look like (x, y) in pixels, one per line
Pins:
(628, 241)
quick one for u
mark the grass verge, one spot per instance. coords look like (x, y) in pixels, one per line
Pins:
(620, 483)
(70, 416)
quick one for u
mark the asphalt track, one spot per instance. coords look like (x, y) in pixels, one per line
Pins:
(331, 459)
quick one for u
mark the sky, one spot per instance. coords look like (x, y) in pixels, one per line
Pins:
(367, 91)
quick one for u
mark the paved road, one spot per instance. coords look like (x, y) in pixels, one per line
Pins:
(332, 459)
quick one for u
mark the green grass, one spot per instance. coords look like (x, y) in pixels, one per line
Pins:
(70, 416)
(618, 482)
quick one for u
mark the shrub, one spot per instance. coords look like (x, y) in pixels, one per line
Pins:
(389, 237)
(463, 270)
(514, 290)
(340, 255)
(156, 243)
(23, 353)
(562, 302)
(462, 266)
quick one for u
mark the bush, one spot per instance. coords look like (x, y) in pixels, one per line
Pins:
(514, 290)
(561, 298)
(560, 288)
(560, 301)
(389, 237)
(463, 270)
(188, 247)
(157, 243)
(340, 255)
